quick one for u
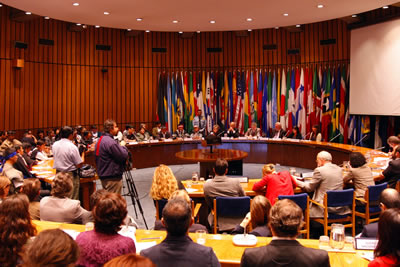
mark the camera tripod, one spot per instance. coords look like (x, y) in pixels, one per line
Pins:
(132, 192)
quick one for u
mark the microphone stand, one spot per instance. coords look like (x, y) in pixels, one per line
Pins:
(361, 140)
(334, 137)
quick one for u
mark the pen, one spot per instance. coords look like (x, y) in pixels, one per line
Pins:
(148, 238)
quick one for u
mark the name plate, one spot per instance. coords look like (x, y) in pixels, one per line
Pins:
(366, 243)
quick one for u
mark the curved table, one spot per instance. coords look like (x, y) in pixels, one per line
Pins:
(207, 159)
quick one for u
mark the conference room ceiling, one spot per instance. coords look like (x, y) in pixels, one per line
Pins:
(190, 15)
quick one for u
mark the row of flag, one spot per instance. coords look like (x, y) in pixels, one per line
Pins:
(293, 96)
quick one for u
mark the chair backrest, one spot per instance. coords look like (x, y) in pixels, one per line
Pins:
(299, 199)
(160, 206)
(233, 206)
(374, 191)
(340, 198)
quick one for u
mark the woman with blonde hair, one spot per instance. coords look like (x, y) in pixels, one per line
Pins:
(258, 217)
(4, 187)
(164, 183)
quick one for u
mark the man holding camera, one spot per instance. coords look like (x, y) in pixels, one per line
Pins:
(110, 158)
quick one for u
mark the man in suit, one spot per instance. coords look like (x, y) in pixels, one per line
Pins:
(178, 249)
(392, 173)
(327, 176)
(253, 131)
(200, 121)
(278, 132)
(284, 250)
(222, 186)
(389, 199)
(233, 131)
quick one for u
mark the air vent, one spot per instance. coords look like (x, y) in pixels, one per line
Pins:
(327, 41)
(159, 50)
(269, 47)
(294, 51)
(214, 49)
(103, 47)
(21, 45)
(46, 42)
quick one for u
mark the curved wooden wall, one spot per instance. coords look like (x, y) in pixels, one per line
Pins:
(64, 84)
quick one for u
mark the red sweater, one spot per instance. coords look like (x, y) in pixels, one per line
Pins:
(281, 183)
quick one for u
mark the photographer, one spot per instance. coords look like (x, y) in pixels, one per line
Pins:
(110, 158)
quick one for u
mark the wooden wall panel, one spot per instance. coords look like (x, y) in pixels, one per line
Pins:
(64, 84)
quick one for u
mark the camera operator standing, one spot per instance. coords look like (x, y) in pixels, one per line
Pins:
(110, 158)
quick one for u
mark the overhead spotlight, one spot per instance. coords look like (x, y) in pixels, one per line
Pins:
(180, 32)
(175, 21)
(46, 17)
(106, 13)
(198, 31)
(78, 24)
(28, 13)
(276, 27)
(84, 26)
(249, 30)
(139, 19)
(212, 21)
(249, 19)
(298, 26)
(385, 7)
(147, 31)
(285, 14)
(1, 5)
(320, 6)
(128, 30)
(97, 26)
(354, 16)
(75, 4)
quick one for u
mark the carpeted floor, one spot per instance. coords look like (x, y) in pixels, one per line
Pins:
(143, 178)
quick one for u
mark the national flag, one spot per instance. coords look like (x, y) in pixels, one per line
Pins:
(291, 102)
(283, 101)
(326, 111)
(199, 93)
(264, 107)
(269, 101)
(274, 110)
(310, 100)
(231, 106)
(169, 114)
(240, 101)
(246, 103)
(226, 106)
(174, 100)
(297, 97)
(208, 100)
(251, 98)
(301, 112)
(259, 98)
(191, 112)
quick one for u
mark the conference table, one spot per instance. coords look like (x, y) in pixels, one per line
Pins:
(227, 253)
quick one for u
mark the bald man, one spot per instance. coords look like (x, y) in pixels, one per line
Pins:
(278, 132)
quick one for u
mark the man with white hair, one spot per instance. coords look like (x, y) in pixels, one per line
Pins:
(327, 176)
(278, 132)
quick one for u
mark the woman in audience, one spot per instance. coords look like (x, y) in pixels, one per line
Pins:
(164, 183)
(59, 207)
(360, 174)
(277, 183)
(4, 187)
(15, 176)
(295, 134)
(104, 243)
(51, 247)
(387, 252)
(182, 195)
(142, 135)
(131, 260)
(315, 135)
(31, 188)
(15, 228)
(258, 217)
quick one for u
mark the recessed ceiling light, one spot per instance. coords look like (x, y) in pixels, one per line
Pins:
(46, 17)
(128, 30)
(78, 24)
(75, 4)
(97, 26)
(84, 26)
(298, 26)
(249, 30)
(147, 31)
(1, 5)
(175, 21)
(354, 16)
(385, 7)
(106, 13)
(198, 31)
(249, 19)
(320, 6)
(285, 14)
(28, 13)
(139, 19)
(212, 21)
(180, 32)
(276, 28)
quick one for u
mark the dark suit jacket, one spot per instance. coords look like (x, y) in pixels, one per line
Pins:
(258, 231)
(281, 133)
(370, 230)
(180, 251)
(286, 253)
(22, 167)
(392, 173)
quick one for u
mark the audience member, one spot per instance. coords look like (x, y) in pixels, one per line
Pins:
(94, 131)
(182, 195)
(38, 153)
(278, 132)
(29, 138)
(164, 183)
(129, 134)
(327, 176)
(10, 142)
(393, 142)
(360, 174)
(258, 217)
(196, 134)
(164, 134)
(215, 135)
(315, 134)
(110, 158)
(3, 136)
(130, 260)
(200, 121)
(222, 186)
(284, 250)
(4, 187)
(21, 163)
(87, 138)
(142, 135)
(180, 133)
(50, 138)
(387, 252)
(295, 134)
(217, 131)
(388, 199)
(281, 183)
(233, 131)
(67, 158)
(59, 207)
(96, 196)
(178, 249)
(392, 173)
(31, 188)
(102, 244)
(254, 131)
(156, 129)
(16, 177)
(40, 135)
(27, 151)
(15, 229)
(51, 248)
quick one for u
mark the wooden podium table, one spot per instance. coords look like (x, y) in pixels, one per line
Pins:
(207, 159)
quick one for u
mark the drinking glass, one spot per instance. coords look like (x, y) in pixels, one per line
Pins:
(201, 237)
(337, 237)
(195, 177)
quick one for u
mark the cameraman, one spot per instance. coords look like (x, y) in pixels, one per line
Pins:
(110, 158)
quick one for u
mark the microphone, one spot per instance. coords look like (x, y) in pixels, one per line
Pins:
(221, 133)
(361, 140)
(305, 137)
(380, 148)
(335, 137)
(286, 133)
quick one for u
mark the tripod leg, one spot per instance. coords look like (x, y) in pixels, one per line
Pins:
(134, 194)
